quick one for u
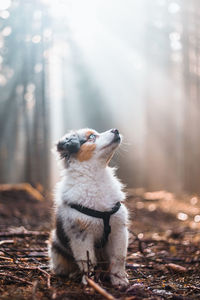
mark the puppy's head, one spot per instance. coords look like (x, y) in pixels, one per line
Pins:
(87, 145)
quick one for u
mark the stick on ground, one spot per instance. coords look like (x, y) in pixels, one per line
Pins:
(16, 278)
(99, 289)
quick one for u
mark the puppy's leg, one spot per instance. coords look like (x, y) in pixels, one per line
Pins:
(116, 249)
(61, 257)
(82, 248)
(58, 263)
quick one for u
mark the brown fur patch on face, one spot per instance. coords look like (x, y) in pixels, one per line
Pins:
(86, 152)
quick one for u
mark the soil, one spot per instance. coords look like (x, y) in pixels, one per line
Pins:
(163, 259)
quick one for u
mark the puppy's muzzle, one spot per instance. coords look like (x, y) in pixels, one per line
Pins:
(116, 138)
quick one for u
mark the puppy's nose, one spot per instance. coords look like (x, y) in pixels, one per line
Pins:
(115, 131)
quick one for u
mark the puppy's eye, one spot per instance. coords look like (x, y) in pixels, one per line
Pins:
(92, 137)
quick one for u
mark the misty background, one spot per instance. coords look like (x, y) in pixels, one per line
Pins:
(132, 65)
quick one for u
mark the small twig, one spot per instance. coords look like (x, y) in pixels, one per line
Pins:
(176, 268)
(29, 268)
(16, 278)
(33, 254)
(24, 250)
(6, 242)
(194, 287)
(48, 277)
(11, 267)
(6, 258)
(12, 256)
(23, 233)
(27, 259)
(99, 289)
(14, 267)
(27, 256)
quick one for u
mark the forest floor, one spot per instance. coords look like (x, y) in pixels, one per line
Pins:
(163, 259)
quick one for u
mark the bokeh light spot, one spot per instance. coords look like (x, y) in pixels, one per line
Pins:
(38, 68)
(7, 31)
(36, 39)
(4, 14)
(197, 218)
(5, 4)
(182, 216)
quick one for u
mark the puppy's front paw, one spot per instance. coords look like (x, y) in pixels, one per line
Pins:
(119, 279)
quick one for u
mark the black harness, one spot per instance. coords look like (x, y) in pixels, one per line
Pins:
(104, 215)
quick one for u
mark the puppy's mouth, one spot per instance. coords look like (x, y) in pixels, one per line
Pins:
(116, 140)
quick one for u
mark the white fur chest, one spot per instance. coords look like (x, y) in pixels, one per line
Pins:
(97, 190)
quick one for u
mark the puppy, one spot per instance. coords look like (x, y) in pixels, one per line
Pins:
(88, 209)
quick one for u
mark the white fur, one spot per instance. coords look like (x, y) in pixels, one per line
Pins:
(93, 184)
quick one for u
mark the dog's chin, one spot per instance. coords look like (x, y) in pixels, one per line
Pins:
(113, 144)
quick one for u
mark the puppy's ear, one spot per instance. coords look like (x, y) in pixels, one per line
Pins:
(68, 146)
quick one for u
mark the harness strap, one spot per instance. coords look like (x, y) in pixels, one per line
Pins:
(104, 215)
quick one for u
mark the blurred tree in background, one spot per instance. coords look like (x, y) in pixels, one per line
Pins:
(24, 134)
